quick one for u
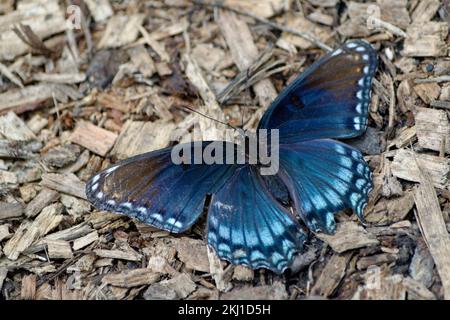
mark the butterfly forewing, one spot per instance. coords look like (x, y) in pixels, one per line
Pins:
(329, 100)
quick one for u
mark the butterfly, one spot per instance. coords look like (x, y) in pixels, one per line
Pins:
(253, 219)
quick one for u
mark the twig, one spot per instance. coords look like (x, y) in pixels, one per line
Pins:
(305, 35)
(262, 68)
(435, 79)
(388, 26)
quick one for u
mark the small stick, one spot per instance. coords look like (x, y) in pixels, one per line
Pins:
(434, 79)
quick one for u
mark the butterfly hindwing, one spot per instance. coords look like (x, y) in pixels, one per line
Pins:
(323, 177)
(329, 100)
(246, 225)
(154, 190)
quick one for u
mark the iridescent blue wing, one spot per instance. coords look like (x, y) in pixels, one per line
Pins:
(329, 100)
(246, 225)
(324, 176)
(154, 190)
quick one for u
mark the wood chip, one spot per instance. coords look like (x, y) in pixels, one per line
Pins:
(433, 129)
(29, 232)
(100, 9)
(243, 273)
(178, 287)
(404, 167)
(137, 137)
(428, 92)
(260, 8)
(131, 278)
(433, 228)
(69, 234)
(94, 138)
(28, 98)
(217, 272)
(66, 183)
(425, 11)
(85, 240)
(193, 253)
(422, 265)
(276, 291)
(129, 30)
(4, 232)
(299, 23)
(416, 290)
(14, 128)
(349, 235)
(426, 40)
(43, 199)
(59, 249)
(28, 291)
(331, 275)
(45, 18)
(381, 286)
(378, 259)
(243, 50)
(118, 254)
(10, 210)
(3, 274)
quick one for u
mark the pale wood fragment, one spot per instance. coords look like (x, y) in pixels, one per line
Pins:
(142, 60)
(157, 46)
(67, 183)
(28, 291)
(193, 253)
(19, 149)
(14, 128)
(45, 18)
(331, 275)
(4, 232)
(428, 92)
(260, 8)
(100, 9)
(380, 285)
(68, 78)
(59, 249)
(118, 254)
(349, 235)
(299, 23)
(28, 232)
(69, 234)
(43, 199)
(243, 273)
(138, 137)
(433, 228)
(433, 129)
(243, 50)
(85, 240)
(94, 138)
(425, 11)
(404, 167)
(426, 40)
(10, 210)
(3, 274)
(129, 30)
(132, 278)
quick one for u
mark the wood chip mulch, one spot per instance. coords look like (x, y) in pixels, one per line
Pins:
(86, 83)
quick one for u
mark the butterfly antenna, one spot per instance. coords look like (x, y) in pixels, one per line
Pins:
(206, 116)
